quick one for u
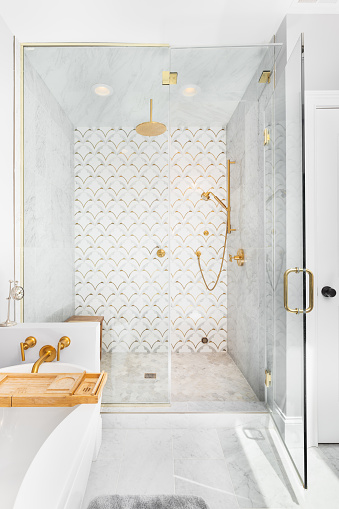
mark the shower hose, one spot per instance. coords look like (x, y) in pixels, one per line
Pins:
(198, 253)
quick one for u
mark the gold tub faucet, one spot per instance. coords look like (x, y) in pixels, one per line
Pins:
(28, 343)
(46, 354)
(64, 342)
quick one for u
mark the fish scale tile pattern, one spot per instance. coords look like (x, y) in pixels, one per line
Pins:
(198, 163)
(121, 215)
(128, 204)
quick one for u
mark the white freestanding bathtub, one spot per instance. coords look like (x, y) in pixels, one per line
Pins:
(46, 453)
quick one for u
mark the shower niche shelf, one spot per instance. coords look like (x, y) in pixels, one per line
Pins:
(50, 389)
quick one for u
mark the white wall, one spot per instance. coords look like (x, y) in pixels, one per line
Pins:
(6, 165)
(321, 37)
(84, 349)
(154, 21)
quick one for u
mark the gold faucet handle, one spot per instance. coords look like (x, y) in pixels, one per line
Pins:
(64, 342)
(230, 257)
(28, 343)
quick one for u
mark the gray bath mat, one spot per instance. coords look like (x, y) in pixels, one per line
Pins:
(147, 502)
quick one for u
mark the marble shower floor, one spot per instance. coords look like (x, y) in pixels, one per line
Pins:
(199, 382)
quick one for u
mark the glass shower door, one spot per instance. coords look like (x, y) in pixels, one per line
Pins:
(285, 259)
(136, 335)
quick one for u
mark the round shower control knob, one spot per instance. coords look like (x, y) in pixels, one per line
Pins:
(327, 291)
(161, 253)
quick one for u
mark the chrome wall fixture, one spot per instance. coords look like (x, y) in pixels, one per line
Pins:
(16, 293)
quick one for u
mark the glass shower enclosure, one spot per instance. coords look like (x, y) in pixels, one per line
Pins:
(123, 244)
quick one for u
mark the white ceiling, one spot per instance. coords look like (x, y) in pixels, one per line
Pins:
(135, 74)
(188, 22)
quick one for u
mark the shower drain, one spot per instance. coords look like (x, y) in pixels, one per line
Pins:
(150, 375)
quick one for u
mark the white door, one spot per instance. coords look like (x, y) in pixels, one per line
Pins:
(327, 152)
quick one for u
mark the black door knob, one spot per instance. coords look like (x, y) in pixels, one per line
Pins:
(327, 291)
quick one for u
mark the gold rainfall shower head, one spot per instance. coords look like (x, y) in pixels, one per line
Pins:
(150, 128)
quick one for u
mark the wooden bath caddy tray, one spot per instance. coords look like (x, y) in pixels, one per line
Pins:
(50, 389)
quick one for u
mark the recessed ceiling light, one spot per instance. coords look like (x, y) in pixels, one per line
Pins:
(190, 90)
(102, 89)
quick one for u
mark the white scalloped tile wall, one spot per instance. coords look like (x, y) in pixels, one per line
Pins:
(122, 216)
(198, 163)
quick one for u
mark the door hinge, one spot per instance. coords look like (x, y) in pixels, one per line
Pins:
(265, 77)
(169, 78)
(266, 136)
(268, 378)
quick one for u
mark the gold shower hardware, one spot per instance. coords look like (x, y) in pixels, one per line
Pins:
(268, 378)
(169, 78)
(47, 354)
(266, 136)
(265, 77)
(239, 257)
(64, 342)
(229, 229)
(150, 128)
(161, 253)
(206, 196)
(310, 291)
(206, 232)
(29, 343)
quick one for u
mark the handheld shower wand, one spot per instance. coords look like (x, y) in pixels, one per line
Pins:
(206, 196)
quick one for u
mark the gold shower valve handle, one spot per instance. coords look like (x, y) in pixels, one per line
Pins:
(239, 257)
(29, 343)
(161, 253)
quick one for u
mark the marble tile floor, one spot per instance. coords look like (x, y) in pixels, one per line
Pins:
(323, 478)
(199, 382)
(330, 453)
(231, 463)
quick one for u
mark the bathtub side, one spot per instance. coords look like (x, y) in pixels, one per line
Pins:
(59, 472)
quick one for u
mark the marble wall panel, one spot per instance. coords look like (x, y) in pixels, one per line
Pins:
(247, 297)
(48, 204)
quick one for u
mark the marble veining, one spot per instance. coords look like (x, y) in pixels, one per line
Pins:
(206, 382)
(135, 75)
(48, 205)
(246, 296)
(229, 467)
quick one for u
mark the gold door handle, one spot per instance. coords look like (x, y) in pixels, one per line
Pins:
(310, 290)
(161, 253)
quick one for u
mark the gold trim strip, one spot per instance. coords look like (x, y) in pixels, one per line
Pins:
(93, 44)
(22, 198)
